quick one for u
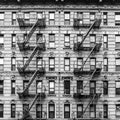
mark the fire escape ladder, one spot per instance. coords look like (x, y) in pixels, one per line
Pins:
(30, 58)
(31, 81)
(88, 56)
(92, 99)
(87, 33)
(32, 30)
(33, 102)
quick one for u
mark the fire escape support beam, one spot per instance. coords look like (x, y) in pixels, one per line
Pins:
(88, 104)
(31, 81)
(87, 33)
(32, 30)
(33, 102)
(30, 58)
(88, 81)
(88, 56)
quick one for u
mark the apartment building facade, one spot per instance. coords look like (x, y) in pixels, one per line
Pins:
(59, 60)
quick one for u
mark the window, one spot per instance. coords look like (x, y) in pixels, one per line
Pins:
(52, 40)
(39, 62)
(67, 18)
(13, 110)
(25, 109)
(39, 15)
(24, 60)
(66, 86)
(66, 110)
(13, 63)
(117, 18)
(105, 87)
(1, 64)
(79, 86)
(105, 22)
(38, 110)
(105, 111)
(67, 40)
(79, 62)
(27, 16)
(118, 110)
(39, 38)
(92, 40)
(25, 83)
(1, 110)
(13, 41)
(92, 110)
(80, 17)
(117, 64)
(79, 37)
(67, 64)
(105, 39)
(51, 64)
(51, 18)
(92, 17)
(117, 43)
(38, 86)
(1, 18)
(79, 110)
(1, 41)
(92, 63)
(105, 64)
(13, 86)
(92, 87)
(117, 88)
(1, 87)
(51, 87)
(14, 18)
(51, 110)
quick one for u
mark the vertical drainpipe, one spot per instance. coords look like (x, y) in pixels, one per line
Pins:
(59, 69)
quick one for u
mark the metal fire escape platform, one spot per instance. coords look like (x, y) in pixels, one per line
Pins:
(77, 24)
(24, 44)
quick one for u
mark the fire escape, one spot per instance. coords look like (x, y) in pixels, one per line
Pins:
(78, 46)
(23, 66)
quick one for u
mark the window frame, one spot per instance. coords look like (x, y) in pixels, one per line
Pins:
(117, 21)
(92, 111)
(105, 110)
(66, 18)
(117, 62)
(105, 87)
(13, 110)
(52, 66)
(66, 87)
(92, 88)
(117, 90)
(51, 19)
(2, 87)
(13, 43)
(67, 40)
(13, 63)
(51, 113)
(51, 40)
(105, 18)
(79, 113)
(13, 84)
(51, 89)
(14, 16)
(68, 65)
(2, 110)
(105, 64)
(66, 113)
(105, 41)
(39, 112)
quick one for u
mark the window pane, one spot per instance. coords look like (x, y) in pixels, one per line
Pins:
(52, 15)
(117, 61)
(51, 84)
(117, 17)
(39, 15)
(27, 15)
(92, 38)
(117, 84)
(14, 15)
(67, 16)
(1, 16)
(1, 60)
(117, 38)
(1, 39)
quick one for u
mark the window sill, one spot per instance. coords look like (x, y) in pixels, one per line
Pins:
(50, 95)
(51, 48)
(67, 48)
(67, 95)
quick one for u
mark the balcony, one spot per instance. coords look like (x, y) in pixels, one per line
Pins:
(23, 24)
(78, 24)
(79, 47)
(79, 71)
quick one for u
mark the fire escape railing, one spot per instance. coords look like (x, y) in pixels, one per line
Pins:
(22, 68)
